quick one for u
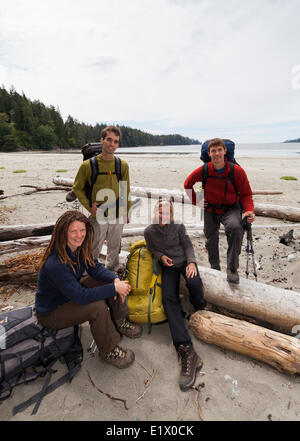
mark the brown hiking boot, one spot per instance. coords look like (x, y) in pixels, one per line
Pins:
(190, 364)
(233, 276)
(130, 330)
(118, 357)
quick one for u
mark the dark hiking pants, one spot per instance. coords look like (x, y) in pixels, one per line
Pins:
(234, 233)
(170, 295)
(100, 314)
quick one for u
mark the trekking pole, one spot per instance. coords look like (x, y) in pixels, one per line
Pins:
(249, 248)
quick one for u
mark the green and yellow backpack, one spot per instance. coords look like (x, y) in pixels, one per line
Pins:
(144, 274)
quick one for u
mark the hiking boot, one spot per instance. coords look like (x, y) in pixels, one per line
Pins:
(118, 357)
(130, 330)
(190, 364)
(233, 276)
(71, 196)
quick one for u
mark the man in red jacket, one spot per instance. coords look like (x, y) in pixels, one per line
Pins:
(222, 204)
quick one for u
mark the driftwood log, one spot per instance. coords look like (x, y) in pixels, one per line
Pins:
(25, 267)
(277, 211)
(156, 192)
(36, 189)
(267, 210)
(276, 306)
(9, 232)
(12, 232)
(177, 195)
(269, 304)
(278, 350)
(26, 243)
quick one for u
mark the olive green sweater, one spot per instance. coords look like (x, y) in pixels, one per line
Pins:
(102, 183)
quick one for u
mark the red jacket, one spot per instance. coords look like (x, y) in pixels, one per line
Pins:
(215, 188)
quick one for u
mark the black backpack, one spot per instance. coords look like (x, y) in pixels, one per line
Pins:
(28, 351)
(91, 151)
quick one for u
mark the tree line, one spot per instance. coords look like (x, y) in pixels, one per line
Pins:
(31, 125)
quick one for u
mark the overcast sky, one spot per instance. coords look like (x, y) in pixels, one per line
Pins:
(200, 68)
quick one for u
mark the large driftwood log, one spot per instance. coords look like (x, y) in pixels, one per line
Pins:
(267, 210)
(143, 192)
(26, 243)
(29, 242)
(67, 182)
(277, 211)
(36, 189)
(276, 306)
(13, 232)
(278, 350)
(9, 232)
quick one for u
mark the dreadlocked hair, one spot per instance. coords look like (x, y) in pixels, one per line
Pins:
(58, 240)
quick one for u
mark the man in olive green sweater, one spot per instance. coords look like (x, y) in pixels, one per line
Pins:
(110, 199)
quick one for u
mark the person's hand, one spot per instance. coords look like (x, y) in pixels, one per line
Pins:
(123, 288)
(191, 270)
(250, 216)
(93, 209)
(166, 261)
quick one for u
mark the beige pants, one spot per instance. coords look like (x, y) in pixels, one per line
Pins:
(112, 233)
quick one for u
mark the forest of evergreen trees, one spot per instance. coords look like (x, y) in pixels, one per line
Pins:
(30, 125)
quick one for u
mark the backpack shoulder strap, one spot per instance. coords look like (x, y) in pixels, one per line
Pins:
(94, 169)
(204, 174)
(118, 168)
(94, 174)
(231, 176)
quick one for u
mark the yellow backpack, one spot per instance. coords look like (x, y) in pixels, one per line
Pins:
(145, 277)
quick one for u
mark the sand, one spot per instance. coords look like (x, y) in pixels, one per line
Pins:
(235, 387)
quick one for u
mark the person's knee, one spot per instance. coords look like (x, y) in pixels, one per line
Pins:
(234, 229)
(99, 309)
(194, 282)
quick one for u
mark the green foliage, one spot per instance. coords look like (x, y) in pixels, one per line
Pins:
(61, 171)
(289, 178)
(30, 125)
(20, 171)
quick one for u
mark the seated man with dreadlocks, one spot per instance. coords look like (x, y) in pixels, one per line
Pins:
(67, 298)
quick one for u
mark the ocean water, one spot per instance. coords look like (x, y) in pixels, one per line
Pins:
(241, 150)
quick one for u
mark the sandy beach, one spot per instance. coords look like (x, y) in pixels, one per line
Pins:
(235, 387)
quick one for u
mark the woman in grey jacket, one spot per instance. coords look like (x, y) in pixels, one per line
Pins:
(170, 244)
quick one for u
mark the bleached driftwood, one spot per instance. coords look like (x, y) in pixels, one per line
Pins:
(58, 180)
(268, 210)
(26, 243)
(276, 306)
(156, 192)
(276, 349)
(277, 211)
(36, 189)
(10, 232)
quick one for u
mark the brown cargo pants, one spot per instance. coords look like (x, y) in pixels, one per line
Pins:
(101, 315)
